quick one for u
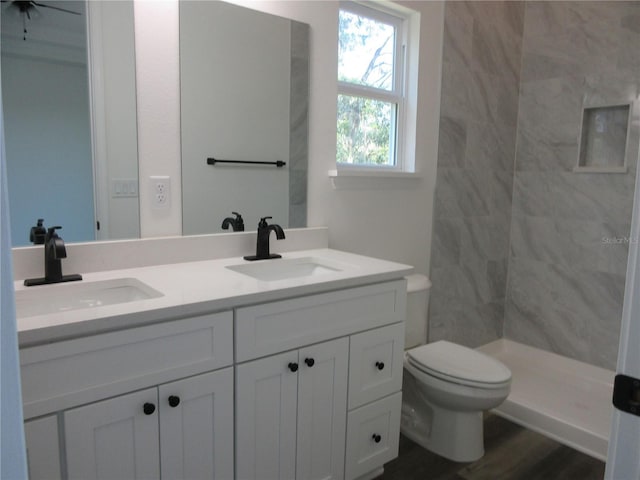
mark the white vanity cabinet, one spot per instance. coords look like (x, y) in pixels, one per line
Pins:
(291, 408)
(182, 429)
(291, 414)
(296, 388)
(144, 402)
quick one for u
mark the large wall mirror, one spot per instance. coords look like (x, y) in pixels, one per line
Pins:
(68, 91)
(244, 84)
(69, 101)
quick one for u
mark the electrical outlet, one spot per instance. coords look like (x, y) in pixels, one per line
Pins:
(160, 191)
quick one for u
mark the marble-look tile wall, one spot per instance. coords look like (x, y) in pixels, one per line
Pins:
(472, 218)
(299, 125)
(569, 232)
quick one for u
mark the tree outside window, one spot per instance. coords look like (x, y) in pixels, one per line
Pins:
(369, 87)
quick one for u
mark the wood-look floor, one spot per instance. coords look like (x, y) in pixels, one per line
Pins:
(511, 453)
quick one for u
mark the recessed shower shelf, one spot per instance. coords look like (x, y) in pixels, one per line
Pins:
(603, 139)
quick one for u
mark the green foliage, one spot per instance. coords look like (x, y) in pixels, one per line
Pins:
(365, 51)
(364, 127)
(365, 57)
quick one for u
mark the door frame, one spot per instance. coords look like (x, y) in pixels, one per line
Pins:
(624, 440)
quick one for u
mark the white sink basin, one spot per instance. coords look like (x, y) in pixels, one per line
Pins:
(43, 300)
(283, 269)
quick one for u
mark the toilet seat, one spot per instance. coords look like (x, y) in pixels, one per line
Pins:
(458, 364)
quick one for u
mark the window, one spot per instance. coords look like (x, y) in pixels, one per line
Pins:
(371, 50)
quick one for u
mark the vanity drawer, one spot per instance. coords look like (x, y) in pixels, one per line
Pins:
(83, 370)
(375, 364)
(373, 435)
(278, 326)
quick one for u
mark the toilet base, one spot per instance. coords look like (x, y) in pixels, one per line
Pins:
(453, 434)
(458, 436)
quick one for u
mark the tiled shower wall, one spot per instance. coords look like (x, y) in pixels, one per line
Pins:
(479, 105)
(299, 125)
(569, 233)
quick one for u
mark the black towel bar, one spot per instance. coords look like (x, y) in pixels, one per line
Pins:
(278, 163)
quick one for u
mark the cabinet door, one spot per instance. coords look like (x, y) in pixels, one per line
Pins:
(115, 438)
(322, 410)
(196, 427)
(43, 450)
(266, 402)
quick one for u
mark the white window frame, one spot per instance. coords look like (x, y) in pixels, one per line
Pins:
(385, 13)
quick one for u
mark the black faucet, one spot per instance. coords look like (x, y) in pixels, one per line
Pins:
(54, 252)
(262, 245)
(237, 224)
(38, 233)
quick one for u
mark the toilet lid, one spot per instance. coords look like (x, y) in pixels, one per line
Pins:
(446, 359)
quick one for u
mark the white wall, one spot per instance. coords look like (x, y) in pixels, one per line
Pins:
(158, 99)
(390, 220)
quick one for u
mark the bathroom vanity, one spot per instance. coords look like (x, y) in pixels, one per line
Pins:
(287, 370)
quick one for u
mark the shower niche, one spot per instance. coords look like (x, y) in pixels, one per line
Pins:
(603, 139)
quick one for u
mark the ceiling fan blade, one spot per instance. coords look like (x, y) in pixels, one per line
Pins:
(55, 8)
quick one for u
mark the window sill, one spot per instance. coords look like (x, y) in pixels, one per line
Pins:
(368, 179)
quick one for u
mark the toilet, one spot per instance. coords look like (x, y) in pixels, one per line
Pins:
(446, 387)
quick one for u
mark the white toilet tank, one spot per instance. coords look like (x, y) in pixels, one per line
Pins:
(417, 303)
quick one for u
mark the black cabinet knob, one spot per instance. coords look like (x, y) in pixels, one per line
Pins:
(174, 401)
(310, 362)
(380, 365)
(376, 438)
(293, 367)
(148, 408)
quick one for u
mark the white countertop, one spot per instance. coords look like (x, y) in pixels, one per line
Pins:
(196, 288)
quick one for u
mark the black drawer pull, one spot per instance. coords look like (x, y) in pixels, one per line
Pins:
(293, 367)
(148, 408)
(174, 401)
(376, 438)
(380, 365)
(310, 362)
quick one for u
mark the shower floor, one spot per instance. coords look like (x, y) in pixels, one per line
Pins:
(564, 399)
